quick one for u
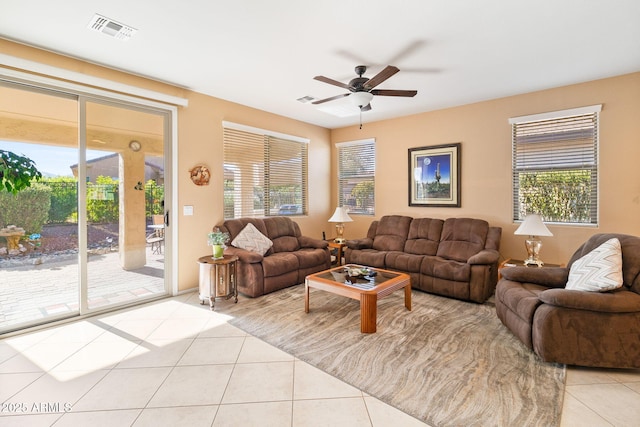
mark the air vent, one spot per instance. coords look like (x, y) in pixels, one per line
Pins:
(306, 99)
(111, 28)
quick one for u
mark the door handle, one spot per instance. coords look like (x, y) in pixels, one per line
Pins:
(166, 219)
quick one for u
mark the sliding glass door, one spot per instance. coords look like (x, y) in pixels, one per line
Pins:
(90, 235)
(124, 193)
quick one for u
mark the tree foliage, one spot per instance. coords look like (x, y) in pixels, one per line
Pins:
(16, 172)
(64, 198)
(363, 193)
(28, 209)
(103, 200)
(559, 196)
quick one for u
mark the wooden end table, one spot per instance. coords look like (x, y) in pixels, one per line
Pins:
(339, 247)
(368, 292)
(218, 278)
(520, 263)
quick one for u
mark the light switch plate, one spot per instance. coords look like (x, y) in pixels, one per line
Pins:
(187, 210)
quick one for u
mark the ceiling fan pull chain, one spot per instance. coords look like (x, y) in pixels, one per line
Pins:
(360, 117)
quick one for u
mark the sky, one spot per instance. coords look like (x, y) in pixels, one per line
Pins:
(50, 160)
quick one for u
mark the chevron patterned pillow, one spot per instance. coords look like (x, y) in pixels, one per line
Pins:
(598, 271)
(251, 239)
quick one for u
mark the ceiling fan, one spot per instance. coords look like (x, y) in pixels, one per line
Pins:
(362, 89)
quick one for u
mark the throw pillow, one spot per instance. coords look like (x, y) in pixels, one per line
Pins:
(598, 271)
(251, 239)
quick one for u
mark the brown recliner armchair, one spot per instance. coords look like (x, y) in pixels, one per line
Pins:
(598, 329)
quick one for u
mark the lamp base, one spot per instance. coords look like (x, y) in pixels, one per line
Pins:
(537, 262)
(533, 246)
(339, 233)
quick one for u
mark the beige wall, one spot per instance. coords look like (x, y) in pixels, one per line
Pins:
(482, 128)
(200, 142)
(485, 134)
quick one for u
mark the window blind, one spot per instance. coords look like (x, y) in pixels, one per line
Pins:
(555, 168)
(356, 176)
(264, 174)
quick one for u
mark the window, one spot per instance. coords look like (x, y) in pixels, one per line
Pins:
(356, 176)
(265, 173)
(555, 165)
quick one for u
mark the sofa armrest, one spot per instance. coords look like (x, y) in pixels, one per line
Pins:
(621, 301)
(551, 277)
(486, 256)
(244, 255)
(310, 242)
(364, 243)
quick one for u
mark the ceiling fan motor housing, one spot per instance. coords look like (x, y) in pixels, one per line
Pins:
(358, 83)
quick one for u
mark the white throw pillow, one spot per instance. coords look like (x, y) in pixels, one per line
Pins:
(251, 239)
(598, 271)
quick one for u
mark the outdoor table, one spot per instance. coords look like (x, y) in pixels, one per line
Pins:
(12, 234)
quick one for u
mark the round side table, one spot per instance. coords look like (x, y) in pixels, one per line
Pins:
(218, 278)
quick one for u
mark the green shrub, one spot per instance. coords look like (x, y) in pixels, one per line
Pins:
(28, 209)
(154, 197)
(103, 200)
(64, 198)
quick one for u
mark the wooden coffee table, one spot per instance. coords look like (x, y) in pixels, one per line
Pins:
(368, 292)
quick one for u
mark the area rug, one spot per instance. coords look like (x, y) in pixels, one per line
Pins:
(446, 362)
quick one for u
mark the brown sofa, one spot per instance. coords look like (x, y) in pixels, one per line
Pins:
(456, 257)
(597, 329)
(291, 258)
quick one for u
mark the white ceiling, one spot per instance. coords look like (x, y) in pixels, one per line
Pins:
(265, 53)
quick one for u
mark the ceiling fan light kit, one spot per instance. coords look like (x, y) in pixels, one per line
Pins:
(361, 99)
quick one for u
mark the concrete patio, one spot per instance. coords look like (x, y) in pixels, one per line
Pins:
(36, 289)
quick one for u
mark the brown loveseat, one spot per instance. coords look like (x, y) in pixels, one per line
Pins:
(456, 257)
(575, 327)
(291, 258)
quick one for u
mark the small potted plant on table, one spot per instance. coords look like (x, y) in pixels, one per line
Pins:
(217, 240)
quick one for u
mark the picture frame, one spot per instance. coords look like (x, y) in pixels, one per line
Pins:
(434, 175)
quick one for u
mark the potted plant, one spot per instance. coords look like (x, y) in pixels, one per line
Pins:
(217, 240)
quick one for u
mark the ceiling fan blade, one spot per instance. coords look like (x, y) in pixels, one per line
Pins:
(332, 82)
(322, 101)
(383, 75)
(366, 107)
(392, 92)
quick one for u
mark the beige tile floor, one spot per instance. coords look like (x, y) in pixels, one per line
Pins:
(174, 363)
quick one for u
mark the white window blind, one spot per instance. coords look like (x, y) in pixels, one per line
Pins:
(265, 174)
(555, 166)
(356, 176)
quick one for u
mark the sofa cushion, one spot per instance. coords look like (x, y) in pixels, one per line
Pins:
(367, 257)
(309, 257)
(409, 263)
(446, 269)
(598, 271)
(252, 240)
(280, 263)
(462, 237)
(284, 233)
(424, 235)
(391, 233)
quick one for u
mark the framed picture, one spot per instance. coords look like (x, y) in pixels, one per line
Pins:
(434, 176)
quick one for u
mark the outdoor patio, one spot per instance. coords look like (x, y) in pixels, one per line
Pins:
(30, 290)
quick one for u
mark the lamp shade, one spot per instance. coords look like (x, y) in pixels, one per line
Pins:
(361, 99)
(340, 215)
(533, 226)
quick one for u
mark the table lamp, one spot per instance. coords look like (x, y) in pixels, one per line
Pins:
(533, 227)
(340, 216)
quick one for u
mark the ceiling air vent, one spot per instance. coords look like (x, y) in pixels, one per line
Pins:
(306, 99)
(111, 28)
